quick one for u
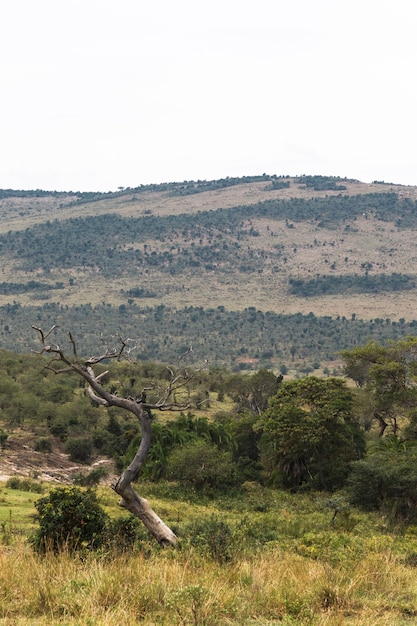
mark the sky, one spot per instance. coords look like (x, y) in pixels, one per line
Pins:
(101, 94)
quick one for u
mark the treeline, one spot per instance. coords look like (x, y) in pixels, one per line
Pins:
(110, 242)
(33, 193)
(31, 285)
(186, 187)
(324, 183)
(240, 339)
(175, 188)
(350, 283)
(192, 187)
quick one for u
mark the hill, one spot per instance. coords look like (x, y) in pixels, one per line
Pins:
(251, 271)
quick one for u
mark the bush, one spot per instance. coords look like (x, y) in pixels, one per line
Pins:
(387, 479)
(213, 537)
(43, 444)
(123, 533)
(203, 466)
(80, 449)
(92, 478)
(366, 486)
(3, 438)
(69, 518)
(24, 484)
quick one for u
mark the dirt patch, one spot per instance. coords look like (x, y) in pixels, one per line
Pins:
(18, 458)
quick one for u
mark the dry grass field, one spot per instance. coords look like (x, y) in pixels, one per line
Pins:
(314, 575)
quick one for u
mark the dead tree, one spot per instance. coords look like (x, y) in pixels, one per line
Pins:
(179, 378)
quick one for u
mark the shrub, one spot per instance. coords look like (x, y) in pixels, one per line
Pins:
(3, 438)
(203, 466)
(69, 518)
(43, 444)
(80, 449)
(366, 486)
(24, 484)
(213, 536)
(123, 533)
(92, 478)
(387, 479)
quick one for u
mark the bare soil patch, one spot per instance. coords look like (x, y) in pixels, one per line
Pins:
(18, 458)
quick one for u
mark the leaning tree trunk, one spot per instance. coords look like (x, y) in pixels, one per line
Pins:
(137, 505)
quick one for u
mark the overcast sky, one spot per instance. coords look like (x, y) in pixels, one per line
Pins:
(97, 94)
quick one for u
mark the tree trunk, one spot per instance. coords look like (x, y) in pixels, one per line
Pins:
(140, 508)
(85, 369)
(137, 505)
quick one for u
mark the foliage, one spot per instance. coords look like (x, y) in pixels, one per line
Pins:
(3, 438)
(323, 183)
(387, 375)
(92, 478)
(183, 430)
(24, 484)
(350, 283)
(69, 518)
(216, 334)
(43, 444)
(202, 466)
(122, 534)
(213, 536)
(31, 285)
(387, 479)
(80, 449)
(308, 425)
(245, 437)
(253, 392)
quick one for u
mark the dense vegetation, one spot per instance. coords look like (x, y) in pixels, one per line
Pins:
(110, 242)
(294, 498)
(246, 339)
(348, 283)
(302, 434)
(214, 469)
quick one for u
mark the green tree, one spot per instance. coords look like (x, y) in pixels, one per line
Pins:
(202, 465)
(309, 434)
(387, 376)
(387, 479)
(3, 438)
(253, 392)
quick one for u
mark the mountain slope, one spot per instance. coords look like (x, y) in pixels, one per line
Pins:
(319, 245)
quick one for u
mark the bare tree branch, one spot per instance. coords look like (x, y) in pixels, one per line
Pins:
(137, 505)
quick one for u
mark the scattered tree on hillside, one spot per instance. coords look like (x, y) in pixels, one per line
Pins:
(167, 398)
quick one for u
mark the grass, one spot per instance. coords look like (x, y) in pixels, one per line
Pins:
(287, 564)
(274, 588)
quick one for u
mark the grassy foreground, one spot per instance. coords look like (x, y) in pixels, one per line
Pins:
(288, 562)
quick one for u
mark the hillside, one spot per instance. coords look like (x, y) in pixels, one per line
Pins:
(252, 261)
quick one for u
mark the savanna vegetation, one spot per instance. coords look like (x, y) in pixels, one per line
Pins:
(239, 340)
(186, 276)
(293, 500)
(287, 472)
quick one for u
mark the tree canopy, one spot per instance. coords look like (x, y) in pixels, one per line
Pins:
(309, 433)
